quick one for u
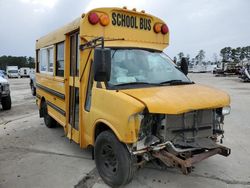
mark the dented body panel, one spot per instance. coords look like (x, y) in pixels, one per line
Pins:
(180, 99)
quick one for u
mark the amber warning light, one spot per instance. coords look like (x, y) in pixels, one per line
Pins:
(94, 19)
(163, 28)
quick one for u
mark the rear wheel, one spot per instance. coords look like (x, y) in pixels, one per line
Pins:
(6, 103)
(33, 89)
(48, 120)
(113, 160)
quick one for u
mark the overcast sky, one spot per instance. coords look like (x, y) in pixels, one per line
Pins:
(194, 24)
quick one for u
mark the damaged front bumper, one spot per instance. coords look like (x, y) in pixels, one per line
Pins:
(184, 159)
(185, 165)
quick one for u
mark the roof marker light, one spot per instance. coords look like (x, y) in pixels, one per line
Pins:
(104, 20)
(157, 27)
(93, 18)
(164, 29)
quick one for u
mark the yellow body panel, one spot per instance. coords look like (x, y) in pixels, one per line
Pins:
(56, 84)
(114, 109)
(179, 99)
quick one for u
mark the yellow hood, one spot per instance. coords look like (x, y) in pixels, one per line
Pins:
(179, 99)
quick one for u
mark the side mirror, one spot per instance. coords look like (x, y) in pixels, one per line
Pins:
(102, 64)
(184, 66)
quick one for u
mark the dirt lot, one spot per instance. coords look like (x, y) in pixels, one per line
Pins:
(33, 156)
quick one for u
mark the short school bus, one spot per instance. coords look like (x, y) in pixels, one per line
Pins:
(105, 79)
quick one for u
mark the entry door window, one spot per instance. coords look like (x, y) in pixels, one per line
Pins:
(74, 51)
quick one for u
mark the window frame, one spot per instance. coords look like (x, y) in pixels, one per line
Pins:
(57, 61)
(38, 60)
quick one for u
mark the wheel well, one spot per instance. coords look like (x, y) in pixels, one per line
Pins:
(100, 127)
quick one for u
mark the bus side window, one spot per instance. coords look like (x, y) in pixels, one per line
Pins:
(60, 59)
(47, 60)
(89, 89)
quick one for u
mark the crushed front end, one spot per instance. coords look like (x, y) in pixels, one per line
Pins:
(181, 140)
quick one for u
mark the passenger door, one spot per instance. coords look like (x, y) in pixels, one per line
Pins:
(73, 120)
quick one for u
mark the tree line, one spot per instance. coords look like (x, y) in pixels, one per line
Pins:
(197, 59)
(20, 61)
(235, 54)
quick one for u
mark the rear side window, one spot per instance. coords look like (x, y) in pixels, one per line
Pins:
(47, 60)
(60, 59)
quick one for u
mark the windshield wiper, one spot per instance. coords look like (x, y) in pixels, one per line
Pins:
(175, 82)
(135, 83)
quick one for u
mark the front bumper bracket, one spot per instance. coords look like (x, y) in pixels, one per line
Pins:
(185, 165)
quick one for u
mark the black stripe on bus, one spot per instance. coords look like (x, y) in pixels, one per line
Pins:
(56, 108)
(38, 96)
(53, 92)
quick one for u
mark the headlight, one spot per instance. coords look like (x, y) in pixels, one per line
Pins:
(5, 87)
(226, 110)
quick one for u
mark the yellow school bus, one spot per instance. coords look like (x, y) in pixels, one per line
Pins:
(105, 79)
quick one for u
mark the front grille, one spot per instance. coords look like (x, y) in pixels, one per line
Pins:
(188, 126)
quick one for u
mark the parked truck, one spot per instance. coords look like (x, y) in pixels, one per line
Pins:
(12, 71)
(24, 72)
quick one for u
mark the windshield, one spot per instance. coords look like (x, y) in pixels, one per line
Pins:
(143, 66)
(13, 71)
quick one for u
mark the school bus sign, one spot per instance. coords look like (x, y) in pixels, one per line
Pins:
(130, 21)
(127, 24)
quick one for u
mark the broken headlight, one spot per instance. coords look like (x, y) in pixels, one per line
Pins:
(226, 110)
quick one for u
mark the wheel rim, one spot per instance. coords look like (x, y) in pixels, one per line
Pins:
(108, 160)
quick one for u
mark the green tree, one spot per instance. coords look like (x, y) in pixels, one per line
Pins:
(200, 56)
(21, 61)
(180, 55)
(226, 53)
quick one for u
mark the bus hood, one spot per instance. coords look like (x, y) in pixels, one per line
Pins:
(179, 99)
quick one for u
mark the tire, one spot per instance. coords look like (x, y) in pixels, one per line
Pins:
(113, 161)
(33, 89)
(6, 103)
(48, 120)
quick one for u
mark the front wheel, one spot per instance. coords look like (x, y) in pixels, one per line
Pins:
(113, 160)
(6, 103)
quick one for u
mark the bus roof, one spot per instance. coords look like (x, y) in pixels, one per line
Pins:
(120, 26)
(57, 35)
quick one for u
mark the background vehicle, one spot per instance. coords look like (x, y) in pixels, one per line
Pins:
(12, 71)
(3, 74)
(244, 73)
(112, 88)
(24, 72)
(5, 98)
